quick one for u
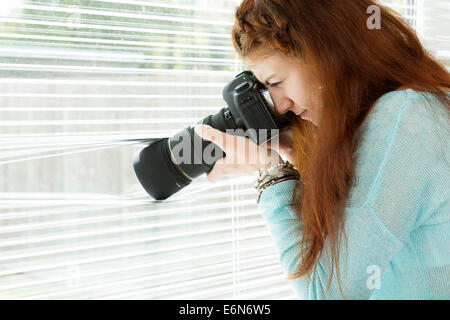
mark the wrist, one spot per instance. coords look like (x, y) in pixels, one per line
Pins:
(275, 174)
(276, 159)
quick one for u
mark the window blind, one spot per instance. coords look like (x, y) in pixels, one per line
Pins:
(85, 84)
(434, 27)
(430, 19)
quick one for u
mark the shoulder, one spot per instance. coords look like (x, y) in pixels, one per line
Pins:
(409, 103)
(405, 119)
(395, 102)
(407, 110)
(404, 139)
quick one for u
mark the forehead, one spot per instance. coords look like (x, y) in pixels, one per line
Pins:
(265, 61)
(263, 66)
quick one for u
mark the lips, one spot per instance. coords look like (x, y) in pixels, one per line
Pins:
(302, 115)
(301, 112)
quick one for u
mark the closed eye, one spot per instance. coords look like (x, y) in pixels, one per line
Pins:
(274, 84)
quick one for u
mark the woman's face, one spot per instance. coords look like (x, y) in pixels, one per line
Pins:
(286, 80)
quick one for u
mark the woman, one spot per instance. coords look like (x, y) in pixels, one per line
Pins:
(370, 216)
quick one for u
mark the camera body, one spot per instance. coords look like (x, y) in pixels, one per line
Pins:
(168, 164)
(247, 102)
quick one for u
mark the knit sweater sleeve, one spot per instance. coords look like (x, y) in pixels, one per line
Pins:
(400, 190)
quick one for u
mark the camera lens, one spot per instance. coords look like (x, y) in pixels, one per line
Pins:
(170, 164)
(156, 172)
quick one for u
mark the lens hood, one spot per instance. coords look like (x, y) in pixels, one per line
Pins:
(156, 172)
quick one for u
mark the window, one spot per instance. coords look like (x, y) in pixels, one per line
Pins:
(85, 84)
(430, 19)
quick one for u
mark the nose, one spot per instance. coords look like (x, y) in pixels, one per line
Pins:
(282, 102)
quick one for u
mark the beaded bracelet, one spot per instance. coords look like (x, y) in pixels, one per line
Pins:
(277, 173)
(278, 170)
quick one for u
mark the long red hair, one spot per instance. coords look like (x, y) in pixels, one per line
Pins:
(356, 66)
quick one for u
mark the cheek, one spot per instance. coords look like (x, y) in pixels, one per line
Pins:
(298, 89)
(298, 93)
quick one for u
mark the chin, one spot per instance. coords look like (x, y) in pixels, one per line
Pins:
(312, 121)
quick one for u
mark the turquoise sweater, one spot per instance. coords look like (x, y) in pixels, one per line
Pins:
(397, 218)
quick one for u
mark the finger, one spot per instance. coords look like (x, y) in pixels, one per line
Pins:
(226, 142)
(217, 171)
(209, 133)
(215, 174)
(211, 177)
(285, 144)
(284, 138)
(282, 147)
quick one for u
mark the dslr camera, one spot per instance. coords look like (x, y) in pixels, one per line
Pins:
(169, 164)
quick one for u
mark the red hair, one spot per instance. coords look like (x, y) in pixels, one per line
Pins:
(356, 65)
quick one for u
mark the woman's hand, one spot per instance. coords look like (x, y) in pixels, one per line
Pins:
(285, 145)
(243, 156)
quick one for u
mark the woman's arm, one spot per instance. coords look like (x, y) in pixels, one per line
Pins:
(370, 247)
(286, 229)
